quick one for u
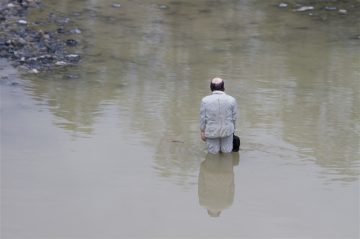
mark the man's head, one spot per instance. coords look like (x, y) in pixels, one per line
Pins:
(217, 84)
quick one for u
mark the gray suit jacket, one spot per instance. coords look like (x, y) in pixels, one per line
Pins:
(218, 113)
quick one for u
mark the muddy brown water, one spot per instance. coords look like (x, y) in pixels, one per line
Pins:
(111, 148)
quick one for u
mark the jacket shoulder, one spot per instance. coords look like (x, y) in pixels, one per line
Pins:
(231, 98)
(206, 98)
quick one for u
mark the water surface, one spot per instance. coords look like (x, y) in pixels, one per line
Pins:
(111, 148)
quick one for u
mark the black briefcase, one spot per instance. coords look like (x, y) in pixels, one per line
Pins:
(236, 143)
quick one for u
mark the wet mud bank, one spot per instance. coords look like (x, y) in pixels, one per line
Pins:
(27, 46)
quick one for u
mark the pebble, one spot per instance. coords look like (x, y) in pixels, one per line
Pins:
(116, 5)
(75, 31)
(71, 42)
(71, 76)
(163, 7)
(60, 30)
(14, 83)
(76, 14)
(330, 8)
(66, 20)
(61, 63)
(45, 58)
(22, 22)
(10, 5)
(304, 8)
(283, 5)
(73, 58)
(34, 71)
(343, 11)
(22, 41)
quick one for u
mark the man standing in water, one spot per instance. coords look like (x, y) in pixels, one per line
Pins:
(218, 113)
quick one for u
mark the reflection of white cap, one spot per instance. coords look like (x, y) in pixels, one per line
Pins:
(213, 213)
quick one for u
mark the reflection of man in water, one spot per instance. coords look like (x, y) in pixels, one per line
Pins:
(217, 118)
(216, 182)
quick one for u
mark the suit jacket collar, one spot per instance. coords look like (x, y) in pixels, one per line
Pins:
(218, 92)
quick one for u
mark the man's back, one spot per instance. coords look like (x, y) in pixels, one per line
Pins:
(218, 111)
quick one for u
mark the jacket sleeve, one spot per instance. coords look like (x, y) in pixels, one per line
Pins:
(234, 113)
(202, 116)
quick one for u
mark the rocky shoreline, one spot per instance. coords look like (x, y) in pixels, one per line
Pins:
(28, 48)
